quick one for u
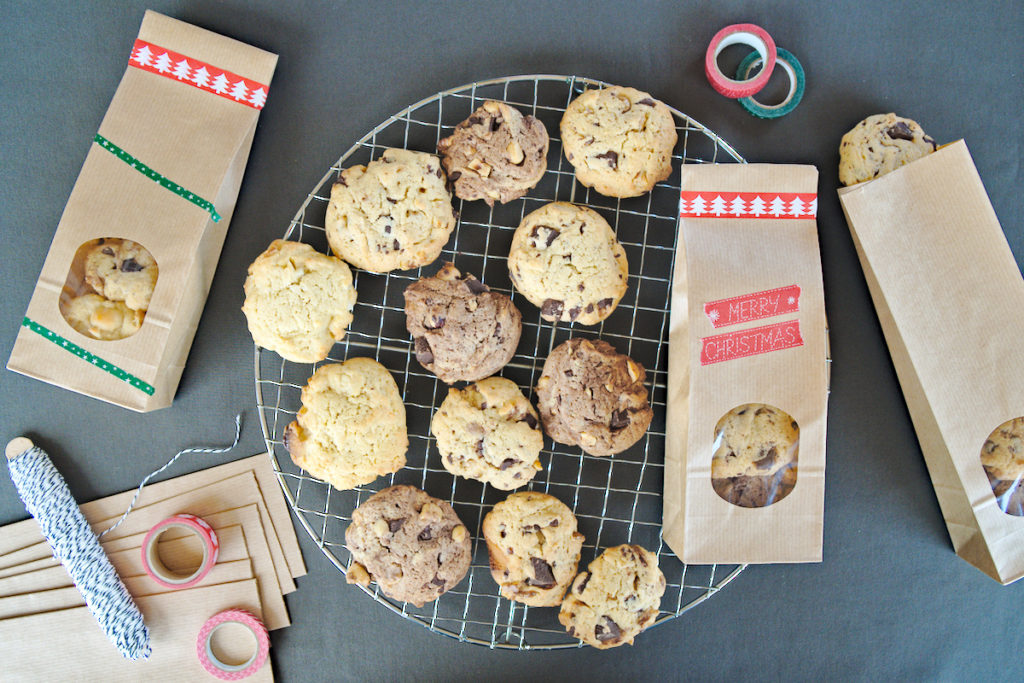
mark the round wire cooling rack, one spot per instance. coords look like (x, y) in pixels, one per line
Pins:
(616, 499)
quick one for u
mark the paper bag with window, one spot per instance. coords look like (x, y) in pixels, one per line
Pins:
(950, 297)
(748, 378)
(129, 268)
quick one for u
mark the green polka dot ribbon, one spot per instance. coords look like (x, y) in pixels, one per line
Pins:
(164, 181)
(93, 359)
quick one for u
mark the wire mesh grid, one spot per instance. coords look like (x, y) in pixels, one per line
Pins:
(616, 499)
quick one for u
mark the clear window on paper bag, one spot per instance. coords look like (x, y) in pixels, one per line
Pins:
(108, 288)
(1003, 459)
(754, 455)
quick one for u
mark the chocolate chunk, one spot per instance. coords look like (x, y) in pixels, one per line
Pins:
(495, 124)
(580, 287)
(574, 312)
(437, 581)
(767, 459)
(395, 524)
(583, 584)
(130, 265)
(543, 576)
(387, 229)
(480, 448)
(646, 101)
(476, 286)
(612, 158)
(589, 308)
(108, 251)
(101, 240)
(552, 234)
(605, 303)
(341, 181)
(423, 353)
(438, 172)
(552, 308)
(475, 120)
(794, 425)
(607, 630)
(643, 561)
(554, 522)
(620, 420)
(397, 245)
(900, 131)
(761, 411)
(393, 201)
(530, 420)
(506, 463)
(455, 175)
(931, 142)
(436, 323)
(425, 535)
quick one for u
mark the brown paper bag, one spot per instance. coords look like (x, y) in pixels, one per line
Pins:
(949, 297)
(745, 441)
(163, 172)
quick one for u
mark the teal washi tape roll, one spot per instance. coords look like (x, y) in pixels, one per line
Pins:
(792, 67)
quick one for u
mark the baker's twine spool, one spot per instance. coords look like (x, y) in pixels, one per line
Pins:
(47, 498)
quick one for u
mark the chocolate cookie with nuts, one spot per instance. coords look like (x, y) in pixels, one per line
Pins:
(413, 545)
(591, 396)
(497, 154)
(461, 329)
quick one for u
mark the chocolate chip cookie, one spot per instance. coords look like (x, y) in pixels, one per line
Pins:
(880, 144)
(591, 396)
(122, 270)
(461, 329)
(533, 546)
(99, 318)
(566, 261)
(619, 140)
(298, 302)
(351, 427)
(393, 214)
(495, 154)
(754, 439)
(615, 599)
(411, 544)
(489, 432)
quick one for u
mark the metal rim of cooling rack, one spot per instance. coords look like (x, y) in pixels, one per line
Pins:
(688, 125)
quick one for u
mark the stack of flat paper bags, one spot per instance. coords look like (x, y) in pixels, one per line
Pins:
(47, 632)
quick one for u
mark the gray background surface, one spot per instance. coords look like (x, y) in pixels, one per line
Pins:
(890, 597)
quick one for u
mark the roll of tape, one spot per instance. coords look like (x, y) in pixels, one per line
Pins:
(220, 669)
(155, 567)
(739, 34)
(797, 80)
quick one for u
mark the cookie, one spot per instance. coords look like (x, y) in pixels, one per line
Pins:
(1003, 452)
(411, 544)
(880, 144)
(751, 491)
(495, 154)
(298, 302)
(393, 214)
(99, 318)
(122, 270)
(533, 546)
(754, 439)
(351, 427)
(489, 432)
(461, 329)
(591, 396)
(615, 599)
(619, 140)
(566, 261)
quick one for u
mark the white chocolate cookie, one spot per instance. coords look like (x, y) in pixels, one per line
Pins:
(96, 317)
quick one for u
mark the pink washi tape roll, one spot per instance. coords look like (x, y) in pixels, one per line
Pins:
(740, 34)
(155, 567)
(232, 672)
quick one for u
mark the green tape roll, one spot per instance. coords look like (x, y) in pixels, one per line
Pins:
(792, 67)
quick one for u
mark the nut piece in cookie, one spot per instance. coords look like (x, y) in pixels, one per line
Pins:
(619, 140)
(495, 154)
(393, 214)
(96, 317)
(591, 396)
(489, 432)
(755, 454)
(615, 599)
(461, 329)
(351, 427)
(298, 302)
(413, 545)
(122, 270)
(534, 547)
(879, 144)
(566, 260)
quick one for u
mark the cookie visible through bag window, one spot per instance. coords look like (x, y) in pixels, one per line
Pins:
(754, 455)
(108, 288)
(1002, 456)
